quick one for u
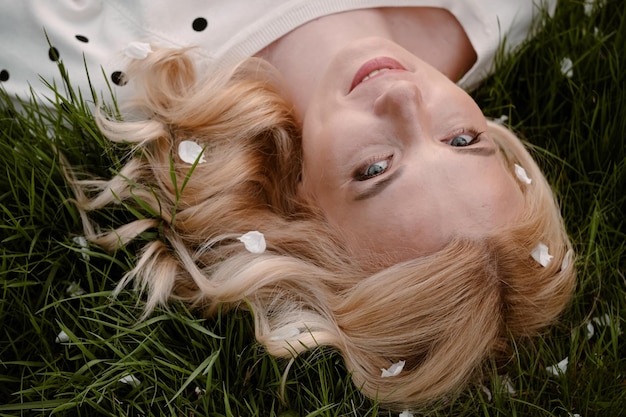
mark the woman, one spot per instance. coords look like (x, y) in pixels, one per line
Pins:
(401, 227)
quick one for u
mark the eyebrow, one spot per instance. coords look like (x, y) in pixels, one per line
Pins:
(379, 186)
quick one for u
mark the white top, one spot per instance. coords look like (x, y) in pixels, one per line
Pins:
(96, 31)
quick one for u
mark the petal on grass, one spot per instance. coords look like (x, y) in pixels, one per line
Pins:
(606, 320)
(507, 384)
(62, 337)
(254, 241)
(82, 242)
(589, 330)
(541, 255)
(74, 289)
(131, 380)
(567, 67)
(558, 369)
(487, 392)
(189, 151)
(393, 370)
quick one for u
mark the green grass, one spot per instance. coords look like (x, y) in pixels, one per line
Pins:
(190, 366)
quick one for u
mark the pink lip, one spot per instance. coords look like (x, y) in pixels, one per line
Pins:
(373, 65)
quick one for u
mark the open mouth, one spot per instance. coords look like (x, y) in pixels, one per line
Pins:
(375, 68)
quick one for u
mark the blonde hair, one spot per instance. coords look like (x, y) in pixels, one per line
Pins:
(443, 314)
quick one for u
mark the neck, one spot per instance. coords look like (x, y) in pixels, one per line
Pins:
(432, 34)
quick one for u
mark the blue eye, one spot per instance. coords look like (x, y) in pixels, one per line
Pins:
(464, 140)
(373, 169)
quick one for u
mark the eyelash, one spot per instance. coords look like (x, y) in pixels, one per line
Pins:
(473, 133)
(360, 174)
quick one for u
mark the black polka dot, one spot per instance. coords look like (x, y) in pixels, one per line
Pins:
(199, 24)
(4, 75)
(119, 78)
(53, 54)
(82, 38)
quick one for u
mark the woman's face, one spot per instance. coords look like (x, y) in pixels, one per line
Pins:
(395, 159)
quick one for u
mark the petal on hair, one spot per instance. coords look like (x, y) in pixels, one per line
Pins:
(405, 413)
(62, 337)
(567, 259)
(521, 175)
(393, 370)
(189, 151)
(131, 380)
(501, 120)
(137, 50)
(558, 369)
(541, 255)
(254, 241)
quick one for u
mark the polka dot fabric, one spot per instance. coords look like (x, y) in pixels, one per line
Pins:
(37, 35)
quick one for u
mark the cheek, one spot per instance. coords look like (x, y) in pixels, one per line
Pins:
(495, 202)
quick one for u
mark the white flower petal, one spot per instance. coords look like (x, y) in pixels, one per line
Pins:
(74, 289)
(508, 385)
(605, 320)
(254, 241)
(131, 380)
(189, 151)
(82, 242)
(589, 330)
(521, 175)
(567, 67)
(62, 337)
(137, 50)
(541, 255)
(200, 391)
(567, 259)
(393, 370)
(588, 5)
(501, 120)
(558, 369)
(487, 392)
(405, 413)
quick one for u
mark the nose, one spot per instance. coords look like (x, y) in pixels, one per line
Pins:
(402, 99)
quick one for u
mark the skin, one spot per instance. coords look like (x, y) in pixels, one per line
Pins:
(379, 159)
